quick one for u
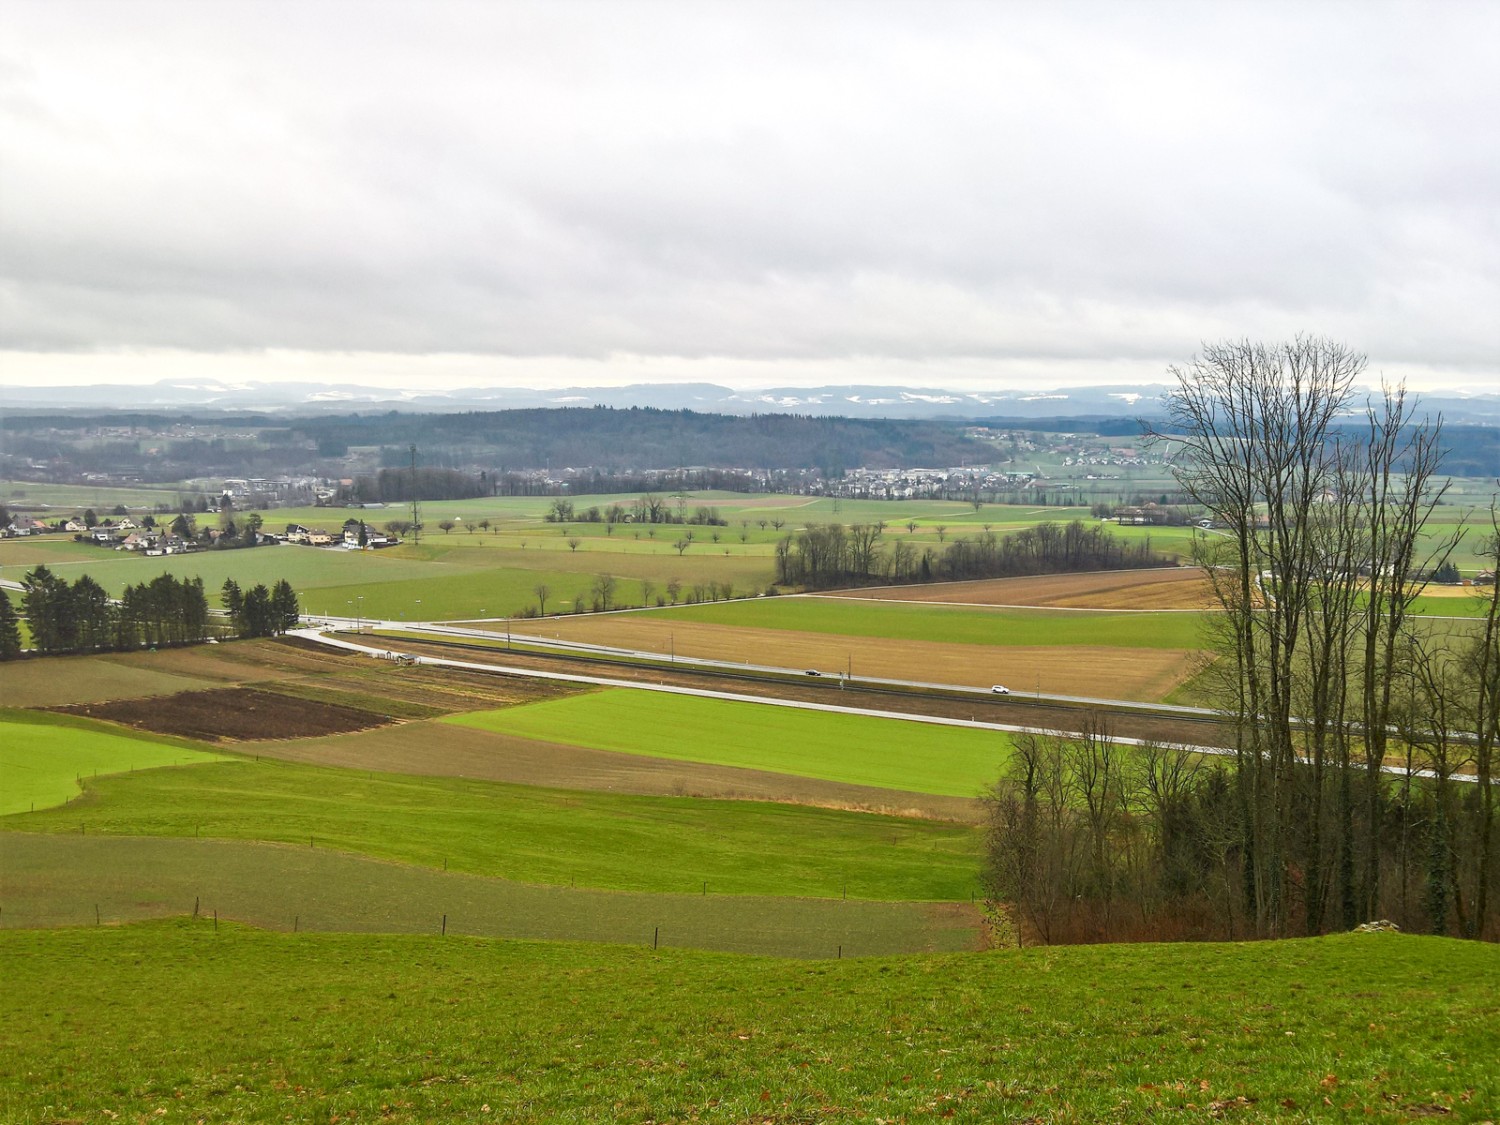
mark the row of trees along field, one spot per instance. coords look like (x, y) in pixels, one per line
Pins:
(648, 508)
(1361, 782)
(80, 617)
(828, 555)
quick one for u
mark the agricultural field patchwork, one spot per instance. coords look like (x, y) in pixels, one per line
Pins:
(537, 811)
(480, 755)
(1027, 663)
(306, 568)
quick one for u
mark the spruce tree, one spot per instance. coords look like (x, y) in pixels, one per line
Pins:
(284, 608)
(10, 629)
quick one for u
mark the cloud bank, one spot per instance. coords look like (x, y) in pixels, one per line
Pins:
(986, 190)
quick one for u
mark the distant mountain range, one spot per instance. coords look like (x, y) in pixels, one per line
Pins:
(847, 401)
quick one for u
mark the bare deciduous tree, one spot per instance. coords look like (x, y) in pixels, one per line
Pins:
(1316, 575)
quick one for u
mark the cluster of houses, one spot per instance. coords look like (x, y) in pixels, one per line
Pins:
(356, 535)
(125, 534)
(25, 525)
(107, 531)
(267, 492)
(920, 484)
(1123, 457)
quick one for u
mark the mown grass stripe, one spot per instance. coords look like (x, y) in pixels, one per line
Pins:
(856, 749)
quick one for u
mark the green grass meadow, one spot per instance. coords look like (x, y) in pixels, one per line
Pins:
(42, 763)
(865, 617)
(187, 1021)
(532, 835)
(854, 749)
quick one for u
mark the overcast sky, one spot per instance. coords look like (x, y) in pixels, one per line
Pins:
(964, 195)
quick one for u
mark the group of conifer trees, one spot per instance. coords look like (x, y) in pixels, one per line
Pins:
(259, 612)
(80, 617)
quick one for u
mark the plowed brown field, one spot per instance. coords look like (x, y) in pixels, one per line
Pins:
(1172, 588)
(232, 714)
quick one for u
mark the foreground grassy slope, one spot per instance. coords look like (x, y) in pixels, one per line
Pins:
(179, 1021)
(545, 836)
(856, 749)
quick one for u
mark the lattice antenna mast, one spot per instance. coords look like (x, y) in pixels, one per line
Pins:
(416, 507)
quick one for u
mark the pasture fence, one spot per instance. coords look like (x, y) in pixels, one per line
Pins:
(641, 932)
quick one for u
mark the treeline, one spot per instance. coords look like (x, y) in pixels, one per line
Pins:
(1090, 841)
(647, 509)
(1360, 785)
(1087, 840)
(1047, 548)
(395, 485)
(80, 617)
(823, 556)
(605, 483)
(641, 438)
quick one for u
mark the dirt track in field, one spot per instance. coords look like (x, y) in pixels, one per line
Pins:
(439, 750)
(1167, 588)
(1102, 672)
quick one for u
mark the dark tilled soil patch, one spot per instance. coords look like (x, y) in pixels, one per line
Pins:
(233, 715)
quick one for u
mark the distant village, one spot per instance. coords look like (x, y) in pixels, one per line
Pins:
(180, 537)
